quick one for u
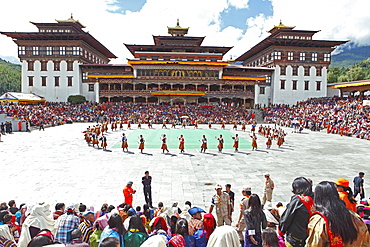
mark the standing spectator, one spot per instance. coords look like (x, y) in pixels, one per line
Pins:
(256, 221)
(267, 190)
(12, 207)
(294, 221)
(345, 193)
(196, 221)
(244, 205)
(128, 192)
(222, 203)
(232, 197)
(86, 226)
(76, 241)
(59, 210)
(66, 223)
(333, 224)
(147, 183)
(358, 183)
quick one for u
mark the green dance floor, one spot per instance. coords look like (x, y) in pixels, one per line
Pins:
(192, 138)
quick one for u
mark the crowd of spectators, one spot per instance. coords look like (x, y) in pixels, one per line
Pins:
(343, 116)
(53, 114)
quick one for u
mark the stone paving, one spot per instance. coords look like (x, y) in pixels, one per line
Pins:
(56, 165)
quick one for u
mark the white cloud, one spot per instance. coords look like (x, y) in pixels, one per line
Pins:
(337, 20)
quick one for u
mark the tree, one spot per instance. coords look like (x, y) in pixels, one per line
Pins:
(76, 99)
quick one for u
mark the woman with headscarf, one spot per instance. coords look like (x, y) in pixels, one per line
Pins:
(294, 221)
(345, 193)
(40, 218)
(333, 224)
(224, 236)
(159, 226)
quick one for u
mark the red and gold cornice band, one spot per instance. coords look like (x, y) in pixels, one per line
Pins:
(245, 78)
(141, 62)
(248, 83)
(119, 81)
(111, 76)
(180, 93)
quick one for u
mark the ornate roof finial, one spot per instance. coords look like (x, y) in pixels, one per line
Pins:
(178, 22)
(177, 31)
(71, 16)
(281, 23)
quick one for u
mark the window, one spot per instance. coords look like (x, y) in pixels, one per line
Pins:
(277, 55)
(302, 56)
(202, 59)
(44, 65)
(282, 70)
(282, 84)
(56, 65)
(318, 85)
(268, 79)
(294, 70)
(35, 51)
(290, 55)
(155, 58)
(30, 81)
(69, 65)
(49, 50)
(306, 85)
(76, 51)
(22, 50)
(314, 57)
(326, 57)
(294, 85)
(91, 87)
(167, 58)
(69, 81)
(262, 90)
(31, 65)
(306, 71)
(85, 74)
(62, 50)
(319, 71)
(43, 81)
(56, 81)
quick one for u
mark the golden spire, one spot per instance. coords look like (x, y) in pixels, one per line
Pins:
(71, 20)
(178, 30)
(280, 26)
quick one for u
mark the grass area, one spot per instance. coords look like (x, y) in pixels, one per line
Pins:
(192, 138)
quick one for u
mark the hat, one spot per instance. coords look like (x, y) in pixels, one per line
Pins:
(70, 208)
(342, 182)
(218, 187)
(245, 188)
(130, 182)
(88, 212)
(195, 210)
(266, 174)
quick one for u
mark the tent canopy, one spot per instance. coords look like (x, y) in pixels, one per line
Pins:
(21, 98)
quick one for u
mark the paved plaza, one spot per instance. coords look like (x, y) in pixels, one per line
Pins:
(56, 165)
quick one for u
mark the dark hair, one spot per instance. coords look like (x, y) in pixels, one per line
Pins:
(136, 223)
(302, 186)
(182, 227)
(160, 204)
(248, 193)
(146, 172)
(104, 207)
(279, 204)
(146, 211)
(76, 233)
(228, 185)
(188, 203)
(255, 204)
(361, 173)
(115, 221)
(59, 206)
(138, 208)
(110, 208)
(2, 214)
(40, 240)
(109, 242)
(173, 222)
(130, 213)
(11, 203)
(7, 218)
(82, 207)
(328, 203)
(270, 238)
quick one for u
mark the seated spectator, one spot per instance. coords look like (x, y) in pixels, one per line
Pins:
(155, 241)
(87, 226)
(43, 238)
(59, 210)
(66, 223)
(95, 236)
(110, 242)
(12, 207)
(182, 229)
(196, 221)
(224, 236)
(158, 226)
(76, 236)
(114, 229)
(136, 233)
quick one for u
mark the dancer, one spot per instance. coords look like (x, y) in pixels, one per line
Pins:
(210, 124)
(184, 123)
(164, 124)
(139, 124)
(236, 142)
(164, 145)
(223, 125)
(269, 142)
(235, 127)
(196, 124)
(103, 140)
(150, 126)
(243, 126)
(220, 145)
(182, 144)
(203, 147)
(141, 143)
(173, 124)
(254, 142)
(124, 143)
(128, 124)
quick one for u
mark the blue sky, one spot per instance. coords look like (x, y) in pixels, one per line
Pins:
(237, 23)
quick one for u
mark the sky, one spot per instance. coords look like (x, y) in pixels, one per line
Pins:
(240, 24)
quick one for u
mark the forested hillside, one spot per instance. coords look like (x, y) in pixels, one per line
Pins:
(359, 71)
(10, 77)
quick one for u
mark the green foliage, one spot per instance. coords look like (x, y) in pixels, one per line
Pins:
(76, 99)
(350, 56)
(10, 77)
(359, 71)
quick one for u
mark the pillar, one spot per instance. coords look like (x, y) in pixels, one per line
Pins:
(133, 99)
(232, 88)
(196, 87)
(133, 86)
(209, 87)
(146, 86)
(146, 99)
